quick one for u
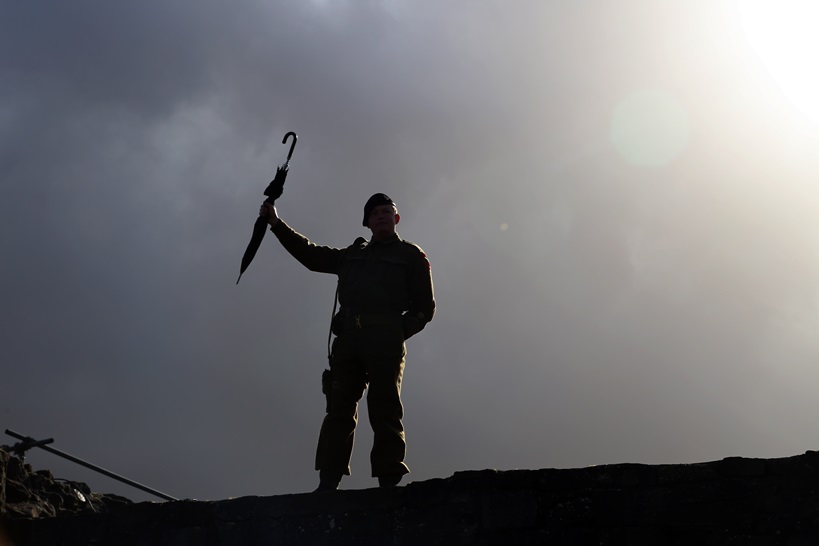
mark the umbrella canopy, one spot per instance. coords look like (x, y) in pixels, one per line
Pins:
(274, 191)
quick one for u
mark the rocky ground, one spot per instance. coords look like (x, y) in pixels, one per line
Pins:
(26, 493)
(734, 501)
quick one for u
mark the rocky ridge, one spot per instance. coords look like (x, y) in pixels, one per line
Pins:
(732, 501)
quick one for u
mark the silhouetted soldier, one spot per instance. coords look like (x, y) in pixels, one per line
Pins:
(386, 296)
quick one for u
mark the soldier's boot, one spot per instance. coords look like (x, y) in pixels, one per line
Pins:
(328, 481)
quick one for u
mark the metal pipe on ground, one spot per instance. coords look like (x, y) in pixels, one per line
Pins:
(31, 442)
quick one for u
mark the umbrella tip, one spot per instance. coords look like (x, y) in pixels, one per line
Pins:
(240, 278)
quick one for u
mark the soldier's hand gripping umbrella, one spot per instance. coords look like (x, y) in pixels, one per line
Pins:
(273, 192)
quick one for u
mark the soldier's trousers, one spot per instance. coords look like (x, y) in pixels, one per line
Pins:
(370, 358)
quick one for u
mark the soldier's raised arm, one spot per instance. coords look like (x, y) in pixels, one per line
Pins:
(322, 259)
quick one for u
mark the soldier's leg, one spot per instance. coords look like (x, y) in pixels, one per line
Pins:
(335, 445)
(385, 370)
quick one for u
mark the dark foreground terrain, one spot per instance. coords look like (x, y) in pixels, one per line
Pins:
(733, 501)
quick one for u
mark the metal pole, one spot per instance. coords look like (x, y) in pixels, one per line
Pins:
(93, 467)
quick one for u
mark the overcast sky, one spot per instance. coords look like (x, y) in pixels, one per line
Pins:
(618, 199)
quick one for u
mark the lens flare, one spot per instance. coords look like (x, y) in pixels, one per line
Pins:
(649, 128)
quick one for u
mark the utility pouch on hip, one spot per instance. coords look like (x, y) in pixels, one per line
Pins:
(327, 386)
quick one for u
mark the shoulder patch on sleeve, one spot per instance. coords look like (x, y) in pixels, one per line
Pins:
(423, 256)
(419, 252)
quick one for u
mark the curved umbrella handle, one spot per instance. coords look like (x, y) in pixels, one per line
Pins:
(292, 146)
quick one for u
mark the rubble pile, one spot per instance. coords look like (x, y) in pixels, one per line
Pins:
(26, 493)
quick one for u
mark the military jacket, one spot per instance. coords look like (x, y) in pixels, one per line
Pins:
(374, 277)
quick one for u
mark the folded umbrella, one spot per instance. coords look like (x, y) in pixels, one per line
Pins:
(274, 191)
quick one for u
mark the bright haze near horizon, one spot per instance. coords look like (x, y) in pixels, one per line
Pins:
(618, 200)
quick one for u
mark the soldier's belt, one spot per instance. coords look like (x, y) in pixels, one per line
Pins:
(350, 319)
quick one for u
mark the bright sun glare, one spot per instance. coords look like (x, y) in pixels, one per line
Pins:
(783, 33)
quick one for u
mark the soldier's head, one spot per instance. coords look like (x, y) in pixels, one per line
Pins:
(381, 215)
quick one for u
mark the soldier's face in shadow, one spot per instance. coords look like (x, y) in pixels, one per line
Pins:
(382, 221)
